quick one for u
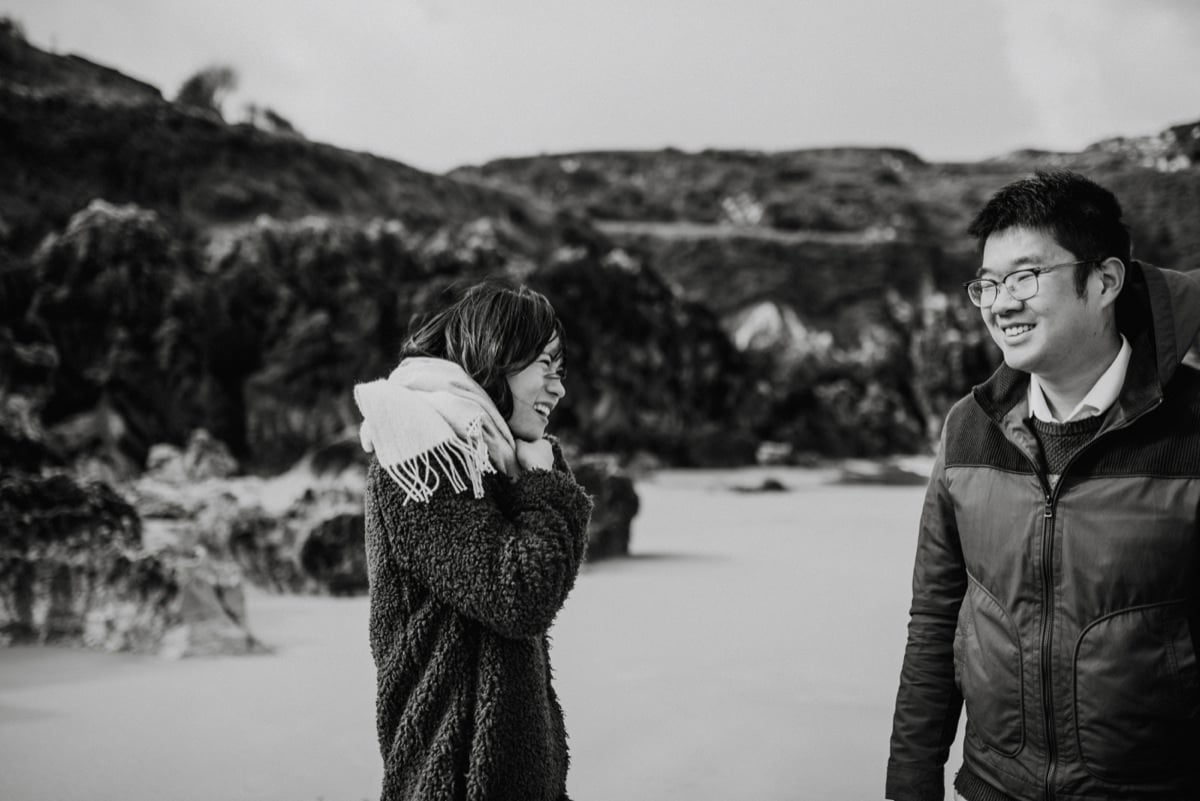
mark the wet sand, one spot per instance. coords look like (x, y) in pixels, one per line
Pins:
(750, 648)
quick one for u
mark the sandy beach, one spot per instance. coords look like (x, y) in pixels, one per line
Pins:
(748, 649)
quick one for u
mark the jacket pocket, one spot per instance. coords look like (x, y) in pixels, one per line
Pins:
(987, 667)
(1137, 692)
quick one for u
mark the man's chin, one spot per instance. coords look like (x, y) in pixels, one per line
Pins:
(1016, 362)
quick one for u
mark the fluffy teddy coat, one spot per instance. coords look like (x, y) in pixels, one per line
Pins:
(463, 591)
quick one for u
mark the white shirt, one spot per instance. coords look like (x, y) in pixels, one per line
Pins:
(1102, 394)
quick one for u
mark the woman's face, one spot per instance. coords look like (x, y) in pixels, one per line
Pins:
(536, 390)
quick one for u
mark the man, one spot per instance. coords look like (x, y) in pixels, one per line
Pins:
(1057, 582)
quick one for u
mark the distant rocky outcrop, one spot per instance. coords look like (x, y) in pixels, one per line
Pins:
(837, 271)
(169, 289)
(245, 293)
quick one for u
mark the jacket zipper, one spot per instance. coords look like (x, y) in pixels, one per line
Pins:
(1047, 638)
(1048, 515)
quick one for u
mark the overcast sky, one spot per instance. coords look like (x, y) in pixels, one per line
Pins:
(443, 83)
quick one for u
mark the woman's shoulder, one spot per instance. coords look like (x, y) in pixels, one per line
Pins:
(449, 506)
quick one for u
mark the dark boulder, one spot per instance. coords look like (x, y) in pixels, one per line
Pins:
(616, 504)
(334, 554)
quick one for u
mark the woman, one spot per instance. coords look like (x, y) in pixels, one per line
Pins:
(475, 530)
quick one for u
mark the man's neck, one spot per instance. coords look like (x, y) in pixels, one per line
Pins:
(1063, 393)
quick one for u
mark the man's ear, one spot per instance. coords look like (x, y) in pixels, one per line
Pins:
(1112, 279)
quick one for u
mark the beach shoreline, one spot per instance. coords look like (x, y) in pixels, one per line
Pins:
(748, 648)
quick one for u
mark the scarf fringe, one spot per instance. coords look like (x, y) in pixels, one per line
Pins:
(462, 463)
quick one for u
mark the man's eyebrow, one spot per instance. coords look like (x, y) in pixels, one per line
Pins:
(1021, 263)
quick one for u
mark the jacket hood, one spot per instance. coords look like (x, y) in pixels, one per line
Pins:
(1173, 301)
(1158, 312)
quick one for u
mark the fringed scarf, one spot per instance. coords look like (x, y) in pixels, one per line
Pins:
(429, 420)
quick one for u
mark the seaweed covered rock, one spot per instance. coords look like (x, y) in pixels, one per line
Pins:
(75, 571)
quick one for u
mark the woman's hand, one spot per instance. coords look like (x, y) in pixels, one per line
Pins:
(536, 455)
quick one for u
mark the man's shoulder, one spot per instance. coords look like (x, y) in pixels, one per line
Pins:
(966, 414)
(972, 438)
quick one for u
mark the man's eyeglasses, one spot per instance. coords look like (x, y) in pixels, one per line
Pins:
(1021, 284)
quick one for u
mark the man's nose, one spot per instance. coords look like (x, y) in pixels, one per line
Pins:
(1004, 300)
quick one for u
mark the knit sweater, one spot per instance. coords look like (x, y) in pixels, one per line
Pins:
(462, 593)
(1059, 442)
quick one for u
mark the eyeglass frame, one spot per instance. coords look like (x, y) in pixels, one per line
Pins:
(1034, 271)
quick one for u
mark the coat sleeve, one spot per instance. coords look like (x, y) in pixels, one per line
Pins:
(511, 572)
(928, 703)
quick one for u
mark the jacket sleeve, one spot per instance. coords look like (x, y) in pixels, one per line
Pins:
(511, 572)
(928, 703)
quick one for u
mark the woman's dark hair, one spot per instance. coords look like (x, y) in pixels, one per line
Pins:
(495, 328)
(1082, 217)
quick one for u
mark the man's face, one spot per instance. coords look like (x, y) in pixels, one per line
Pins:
(1056, 335)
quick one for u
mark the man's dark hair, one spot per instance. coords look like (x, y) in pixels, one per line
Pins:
(495, 328)
(1082, 217)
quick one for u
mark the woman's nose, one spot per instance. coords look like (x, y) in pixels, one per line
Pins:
(556, 388)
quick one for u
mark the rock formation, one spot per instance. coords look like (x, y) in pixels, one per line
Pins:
(76, 571)
(616, 504)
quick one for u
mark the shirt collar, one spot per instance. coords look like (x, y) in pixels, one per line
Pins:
(1102, 394)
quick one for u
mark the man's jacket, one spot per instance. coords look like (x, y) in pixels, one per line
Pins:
(1064, 614)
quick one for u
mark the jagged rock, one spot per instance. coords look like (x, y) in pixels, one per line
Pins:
(334, 553)
(223, 518)
(22, 438)
(117, 298)
(289, 533)
(95, 438)
(204, 457)
(646, 370)
(308, 308)
(616, 504)
(266, 549)
(75, 571)
(190, 496)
